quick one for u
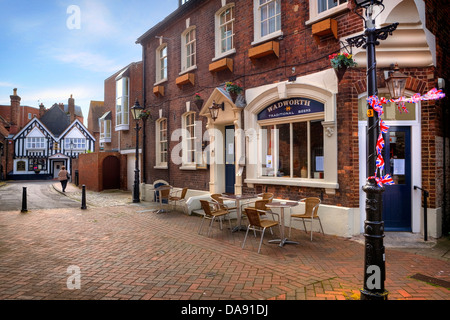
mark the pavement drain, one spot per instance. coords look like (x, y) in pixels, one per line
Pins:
(211, 274)
(431, 280)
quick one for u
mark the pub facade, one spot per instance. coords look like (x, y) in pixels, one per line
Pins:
(297, 129)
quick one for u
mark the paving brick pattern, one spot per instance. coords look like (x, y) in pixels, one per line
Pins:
(128, 252)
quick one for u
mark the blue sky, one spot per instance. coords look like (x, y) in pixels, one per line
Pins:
(48, 51)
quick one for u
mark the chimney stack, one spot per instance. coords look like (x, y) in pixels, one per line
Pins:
(41, 110)
(15, 112)
(72, 109)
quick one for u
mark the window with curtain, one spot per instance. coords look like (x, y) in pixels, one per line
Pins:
(267, 15)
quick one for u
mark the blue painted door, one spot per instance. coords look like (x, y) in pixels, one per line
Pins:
(397, 198)
(230, 170)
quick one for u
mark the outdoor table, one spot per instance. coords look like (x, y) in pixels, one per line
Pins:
(282, 205)
(237, 198)
(159, 189)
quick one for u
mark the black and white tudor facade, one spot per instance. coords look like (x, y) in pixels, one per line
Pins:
(38, 150)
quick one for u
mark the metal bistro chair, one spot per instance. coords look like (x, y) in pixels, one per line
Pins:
(311, 209)
(211, 214)
(264, 196)
(216, 197)
(163, 194)
(256, 224)
(174, 197)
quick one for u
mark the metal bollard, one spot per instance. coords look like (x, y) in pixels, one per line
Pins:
(83, 198)
(24, 200)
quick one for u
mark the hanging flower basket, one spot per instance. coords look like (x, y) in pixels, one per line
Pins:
(234, 89)
(198, 101)
(341, 62)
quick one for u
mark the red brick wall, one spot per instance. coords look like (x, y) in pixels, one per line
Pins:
(297, 49)
(90, 169)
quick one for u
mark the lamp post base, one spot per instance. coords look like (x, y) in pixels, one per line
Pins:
(367, 295)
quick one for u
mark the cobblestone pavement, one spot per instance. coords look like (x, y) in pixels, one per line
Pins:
(126, 251)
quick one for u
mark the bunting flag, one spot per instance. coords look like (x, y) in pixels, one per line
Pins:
(377, 105)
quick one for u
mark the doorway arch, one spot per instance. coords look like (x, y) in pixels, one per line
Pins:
(111, 173)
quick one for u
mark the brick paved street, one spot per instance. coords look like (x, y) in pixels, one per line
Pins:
(129, 252)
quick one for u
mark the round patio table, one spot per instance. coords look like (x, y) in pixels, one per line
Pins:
(282, 205)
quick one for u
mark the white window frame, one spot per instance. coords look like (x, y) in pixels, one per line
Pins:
(105, 131)
(189, 150)
(276, 149)
(315, 16)
(79, 144)
(159, 150)
(218, 34)
(123, 115)
(36, 143)
(184, 54)
(257, 8)
(158, 78)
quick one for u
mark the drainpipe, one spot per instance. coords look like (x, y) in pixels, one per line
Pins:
(144, 135)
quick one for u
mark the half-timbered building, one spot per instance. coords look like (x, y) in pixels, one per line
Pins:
(44, 145)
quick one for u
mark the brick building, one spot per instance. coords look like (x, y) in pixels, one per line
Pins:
(296, 130)
(111, 120)
(38, 142)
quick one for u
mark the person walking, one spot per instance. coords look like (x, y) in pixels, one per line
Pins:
(63, 177)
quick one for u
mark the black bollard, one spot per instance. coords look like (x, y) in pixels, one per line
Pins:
(83, 198)
(24, 200)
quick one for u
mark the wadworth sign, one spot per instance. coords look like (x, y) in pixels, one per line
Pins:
(291, 107)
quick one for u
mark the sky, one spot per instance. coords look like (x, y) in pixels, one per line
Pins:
(51, 49)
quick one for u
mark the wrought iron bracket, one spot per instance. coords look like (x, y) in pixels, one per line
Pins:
(382, 34)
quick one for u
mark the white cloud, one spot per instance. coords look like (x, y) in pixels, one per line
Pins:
(87, 60)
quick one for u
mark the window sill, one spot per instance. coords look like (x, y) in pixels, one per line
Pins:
(327, 14)
(311, 183)
(122, 127)
(105, 140)
(160, 81)
(223, 55)
(187, 70)
(188, 167)
(268, 37)
(161, 167)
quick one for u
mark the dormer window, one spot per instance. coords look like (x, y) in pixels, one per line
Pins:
(36, 143)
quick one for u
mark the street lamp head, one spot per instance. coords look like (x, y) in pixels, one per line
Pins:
(367, 3)
(396, 83)
(136, 110)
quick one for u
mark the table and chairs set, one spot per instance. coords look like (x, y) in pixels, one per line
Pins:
(257, 213)
(256, 209)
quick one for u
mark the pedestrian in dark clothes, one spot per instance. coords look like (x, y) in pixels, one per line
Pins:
(63, 177)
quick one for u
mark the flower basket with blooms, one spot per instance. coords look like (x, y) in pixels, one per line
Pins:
(339, 60)
(233, 87)
(145, 114)
(198, 100)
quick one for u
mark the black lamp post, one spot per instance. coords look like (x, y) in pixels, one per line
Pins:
(374, 258)
(136, 112)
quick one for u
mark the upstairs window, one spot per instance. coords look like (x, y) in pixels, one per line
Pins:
(122, 104)
(105, 131)
(161, 63)
(324, 5)
(188, 50)
(76, 143)
(267, 15)
(225, 31)
(35, 143)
